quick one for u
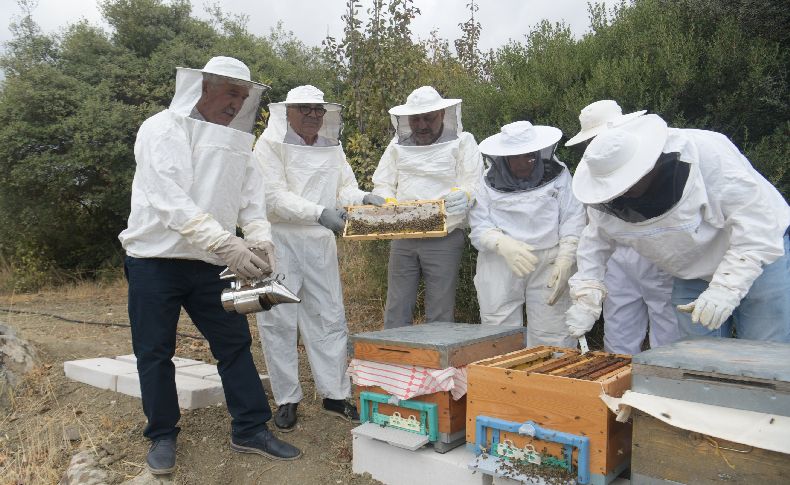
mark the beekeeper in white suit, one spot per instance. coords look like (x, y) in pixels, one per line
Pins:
(308, 181)
(526, 225)
(196, 181)
(690, 202)
(638, 293)
(430, 157)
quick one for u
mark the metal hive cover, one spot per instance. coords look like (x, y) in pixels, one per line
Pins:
(437, 335)
(735, 357)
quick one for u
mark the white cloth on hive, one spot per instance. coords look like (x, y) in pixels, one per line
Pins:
(762, 430)
(408, 381)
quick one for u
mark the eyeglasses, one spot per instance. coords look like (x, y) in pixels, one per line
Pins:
(319, 111)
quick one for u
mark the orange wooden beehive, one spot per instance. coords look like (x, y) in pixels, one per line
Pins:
(558, 389)
(436, 346)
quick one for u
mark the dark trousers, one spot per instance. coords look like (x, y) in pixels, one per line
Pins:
(158, 288)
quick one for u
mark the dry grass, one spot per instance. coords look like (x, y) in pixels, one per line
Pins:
(34, 447)
(363, 272)
(105, 289)
(34, 450)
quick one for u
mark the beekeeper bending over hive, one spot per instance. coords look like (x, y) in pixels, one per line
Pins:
(526, 224)
(430, 157)
(637, 292)
(690, 202)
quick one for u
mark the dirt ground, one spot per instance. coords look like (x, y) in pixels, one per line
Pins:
(33, 448)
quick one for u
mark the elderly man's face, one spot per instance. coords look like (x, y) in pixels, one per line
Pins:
(221, 101)
(521, 166)
(427, 127)
(306, 120)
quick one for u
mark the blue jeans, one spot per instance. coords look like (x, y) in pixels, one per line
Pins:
(158, 288)
(764, 313)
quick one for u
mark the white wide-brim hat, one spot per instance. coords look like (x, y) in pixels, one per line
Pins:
(423, 100)
(309, 94)
(228, 67)
(520, 137)
(599, 116)
(617, 158)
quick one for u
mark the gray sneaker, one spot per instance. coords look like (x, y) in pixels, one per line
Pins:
(161, 457)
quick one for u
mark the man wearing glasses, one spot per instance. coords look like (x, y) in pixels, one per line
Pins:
(308, 181)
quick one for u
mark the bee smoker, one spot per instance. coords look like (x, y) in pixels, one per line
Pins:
(254, 295)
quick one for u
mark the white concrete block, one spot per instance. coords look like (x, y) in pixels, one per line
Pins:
(193, 392)
(217, 378)
(178, 361)
(201, 371)
(397, 466)
(182, 362)
(100, 372)
(129, 385)
(127, 358)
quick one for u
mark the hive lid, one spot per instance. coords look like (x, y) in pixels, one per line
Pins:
(736, 357)
(437, 335)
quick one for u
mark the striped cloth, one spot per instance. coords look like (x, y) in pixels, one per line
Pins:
(407, 381)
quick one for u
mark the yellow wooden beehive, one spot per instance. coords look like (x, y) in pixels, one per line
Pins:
(558, 389)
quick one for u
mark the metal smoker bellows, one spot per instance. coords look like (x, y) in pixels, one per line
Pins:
(254, 295)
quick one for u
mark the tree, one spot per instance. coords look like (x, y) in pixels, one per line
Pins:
(70, 108)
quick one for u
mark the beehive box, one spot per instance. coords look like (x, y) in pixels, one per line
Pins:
(729, 373)
(559, 390)
(404, 220)
(436, 346)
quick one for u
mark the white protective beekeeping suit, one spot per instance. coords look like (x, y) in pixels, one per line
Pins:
(719, 220)
(407, 171)
(195, 180)
(542, 213)
(302, 180)
(638, 292)
(448, 166)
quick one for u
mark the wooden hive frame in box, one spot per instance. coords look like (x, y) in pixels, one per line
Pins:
(347, 232)
(556, 389)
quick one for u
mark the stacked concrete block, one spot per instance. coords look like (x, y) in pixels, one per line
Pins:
(193, 392)
(198, 384)
(201, 371)
(179, 362)
(100, 372)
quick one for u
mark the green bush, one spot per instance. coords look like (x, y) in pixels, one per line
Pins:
(71, 103)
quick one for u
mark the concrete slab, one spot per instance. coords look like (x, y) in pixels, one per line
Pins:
(178, 361)
(397, 466)
(267, 385)
(193, 392)
(201, 371)
(264, 379)
(100, 372)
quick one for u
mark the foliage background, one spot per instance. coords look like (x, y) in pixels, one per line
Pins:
(71, 102)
